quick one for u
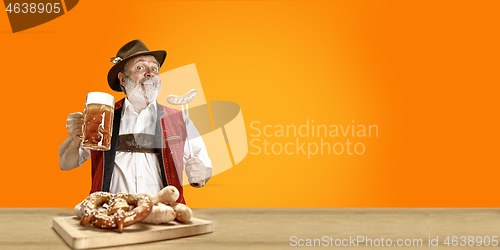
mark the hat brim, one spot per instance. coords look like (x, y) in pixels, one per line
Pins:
(114, 82)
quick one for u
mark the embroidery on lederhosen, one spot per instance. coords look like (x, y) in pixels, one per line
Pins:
(136, 142)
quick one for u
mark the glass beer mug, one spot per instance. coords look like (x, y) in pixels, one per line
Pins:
(97, 125)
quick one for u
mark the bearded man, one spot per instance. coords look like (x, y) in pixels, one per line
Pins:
(148, 144)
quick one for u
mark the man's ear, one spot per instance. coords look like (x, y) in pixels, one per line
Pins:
(121, 77)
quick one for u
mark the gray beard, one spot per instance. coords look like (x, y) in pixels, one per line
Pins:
(135, 93)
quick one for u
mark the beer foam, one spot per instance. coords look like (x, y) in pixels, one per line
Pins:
(100, 98)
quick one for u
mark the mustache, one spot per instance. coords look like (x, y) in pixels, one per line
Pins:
(149, 79)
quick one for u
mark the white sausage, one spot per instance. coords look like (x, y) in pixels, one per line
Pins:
(168, 194)
(160, 214)
(181, 100)
(182, 212)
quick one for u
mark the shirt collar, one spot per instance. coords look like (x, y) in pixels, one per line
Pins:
(128, 107)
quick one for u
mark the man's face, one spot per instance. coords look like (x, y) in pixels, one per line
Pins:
(142, 81)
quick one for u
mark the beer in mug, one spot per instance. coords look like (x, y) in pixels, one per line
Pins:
(97, 125)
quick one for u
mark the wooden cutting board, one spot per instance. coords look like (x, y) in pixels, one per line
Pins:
(79, 237)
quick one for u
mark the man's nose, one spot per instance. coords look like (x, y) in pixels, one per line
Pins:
(149, 72)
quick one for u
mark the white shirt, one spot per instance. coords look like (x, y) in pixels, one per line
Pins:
(140, 172)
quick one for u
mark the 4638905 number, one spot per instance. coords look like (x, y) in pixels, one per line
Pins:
(471, 241)
(33, 8)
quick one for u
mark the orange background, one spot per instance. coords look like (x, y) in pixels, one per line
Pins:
(425, 72)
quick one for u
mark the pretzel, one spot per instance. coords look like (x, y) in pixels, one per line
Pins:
(115, 211)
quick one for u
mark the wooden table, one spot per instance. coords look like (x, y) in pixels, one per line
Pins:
(272, 228)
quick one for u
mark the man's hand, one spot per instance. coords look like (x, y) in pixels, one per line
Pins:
(74, 125)
(69, 149)
(196, 171)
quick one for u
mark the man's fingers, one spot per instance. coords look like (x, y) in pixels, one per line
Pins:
(198, 172)
(196, 179)
(194, 167)
(193, 160)
(74, 124)
(192, 172)
(73, 120)
(76, 115)
(195, 170)
(75, 130)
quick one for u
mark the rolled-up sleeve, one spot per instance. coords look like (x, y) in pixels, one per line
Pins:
(84, 155)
